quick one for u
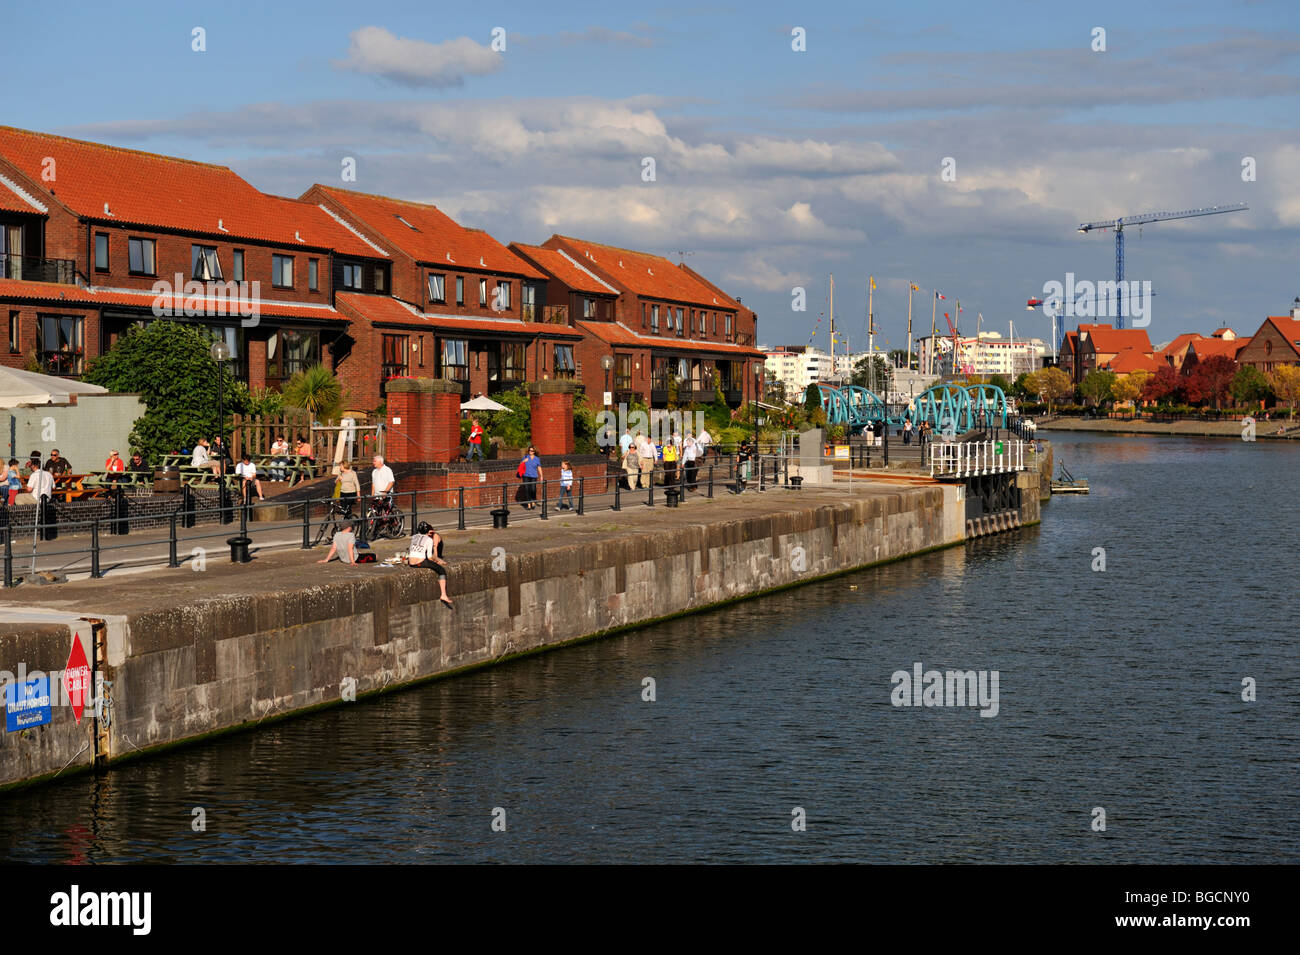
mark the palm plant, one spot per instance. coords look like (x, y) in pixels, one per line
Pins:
(317, 389)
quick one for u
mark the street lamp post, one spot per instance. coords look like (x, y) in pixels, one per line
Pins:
(607, 362)
(220, 353)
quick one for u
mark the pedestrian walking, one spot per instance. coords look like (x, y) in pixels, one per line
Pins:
(670, 462)
(645, 461)
(349, 486)
(530, 472)
(41, 486)
(631, 469)
(690, 459)
(907, 432)
(566, 486)
(475, 440)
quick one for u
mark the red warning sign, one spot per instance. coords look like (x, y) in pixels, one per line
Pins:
(76, 677)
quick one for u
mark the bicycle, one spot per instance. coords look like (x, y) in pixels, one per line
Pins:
(339, 513)
(385, 519)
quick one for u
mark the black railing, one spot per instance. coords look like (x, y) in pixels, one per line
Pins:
(32, 268)
(123, 539)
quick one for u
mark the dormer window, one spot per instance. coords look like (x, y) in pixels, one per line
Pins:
(405, 223)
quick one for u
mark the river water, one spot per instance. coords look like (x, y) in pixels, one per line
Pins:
(1118, 690)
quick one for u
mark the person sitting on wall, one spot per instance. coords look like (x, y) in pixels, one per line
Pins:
(344, 545)
(426, 552)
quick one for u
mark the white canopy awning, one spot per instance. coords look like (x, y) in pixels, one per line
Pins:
(482, 403)
(19, 387)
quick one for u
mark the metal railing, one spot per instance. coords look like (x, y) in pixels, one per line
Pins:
(102, 544)
(33, 268)
(970, 458)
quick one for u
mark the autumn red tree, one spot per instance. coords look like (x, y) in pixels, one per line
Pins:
(1210, 380)
(1165, 386)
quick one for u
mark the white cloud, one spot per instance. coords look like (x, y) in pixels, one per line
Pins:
(375, 51)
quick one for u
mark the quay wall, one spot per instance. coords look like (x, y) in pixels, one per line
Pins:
(221, 661)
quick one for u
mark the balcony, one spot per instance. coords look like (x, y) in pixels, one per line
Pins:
(735, 397)
(30, 268)
(548, 314)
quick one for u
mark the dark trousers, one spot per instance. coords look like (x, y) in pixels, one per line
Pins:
(530, 489)
(692, 473)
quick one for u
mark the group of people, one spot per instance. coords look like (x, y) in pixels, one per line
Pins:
(922, 433)
(36, 476)
(530, 474)
(638, 455)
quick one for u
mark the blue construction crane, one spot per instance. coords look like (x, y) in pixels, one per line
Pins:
(1142, 219)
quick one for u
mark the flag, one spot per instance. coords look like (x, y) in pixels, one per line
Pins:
(872, 279)
(915, 288)
(937, 295)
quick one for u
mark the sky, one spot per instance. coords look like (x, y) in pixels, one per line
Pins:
(955, 146)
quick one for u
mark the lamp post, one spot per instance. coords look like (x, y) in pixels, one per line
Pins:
(220, 353)
(758, 385)
(607, 362)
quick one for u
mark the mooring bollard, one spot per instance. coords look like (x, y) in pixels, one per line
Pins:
(460, 508)
(171, 541)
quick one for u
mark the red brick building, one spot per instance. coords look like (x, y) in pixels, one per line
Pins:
(1277, 342)
(96, 238)
(666, 326)
(462, 307)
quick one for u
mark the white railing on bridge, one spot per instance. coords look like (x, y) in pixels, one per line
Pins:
(968, 458)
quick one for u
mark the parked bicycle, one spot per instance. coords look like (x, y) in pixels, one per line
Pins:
(384, 519)
(340, 512)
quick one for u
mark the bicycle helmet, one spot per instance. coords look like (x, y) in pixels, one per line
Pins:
(425, 527)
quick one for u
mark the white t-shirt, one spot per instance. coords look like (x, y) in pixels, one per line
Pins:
(200, 457)
(381, 480)
(246, 470)
(421, 548)
(280, 447)
(703, 440)
(689, 449)
(41, 484)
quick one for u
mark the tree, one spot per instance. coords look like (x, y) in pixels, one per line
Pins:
(1285, 382)
(1127, 387)
(1166, 385)
(1250, 386)
(1210, 380)
(862, 374)
(317, 389)
(1026, 386)
(169, 365)
(998, 381)
(812, 398)
(1053, 384)
(1096, 386)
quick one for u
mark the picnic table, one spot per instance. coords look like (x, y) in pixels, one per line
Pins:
(71, 487)
(99, 479)
(296, 467)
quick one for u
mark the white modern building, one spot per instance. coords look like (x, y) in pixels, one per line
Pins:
(798, 366)
(989, 354)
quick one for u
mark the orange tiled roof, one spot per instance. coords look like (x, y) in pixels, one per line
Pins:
(1178, 345)
(98, 297)
(616, 333)
(14, 198)
(567, 270)
(1107, 340)
(147, 189)
(1130, 360)
(431, 235)
(385, 310)
(647, 275)
(1228, 348)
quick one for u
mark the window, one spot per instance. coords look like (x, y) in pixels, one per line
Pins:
(352, 276)
(140, 256)
(101, 251)
(237, 266)
(58, 344)
(282, 271)
(313, 267)
(396, 362)
(234, 339)
(381, 279)
(482, 293)
(502, 302)
(14, 326)
(713, 317)
(659, 375)
(588, 308)
(643, 314)
(454, 363)
(680, 332)
(528, 303)
(654, 318)
(203, 263)
(460, 290)
(290, 351)
(437, 288)
(564, 367)
(727, 319)
(510, 367)
(623, 372)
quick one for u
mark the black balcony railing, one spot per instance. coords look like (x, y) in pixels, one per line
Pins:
(30, 268)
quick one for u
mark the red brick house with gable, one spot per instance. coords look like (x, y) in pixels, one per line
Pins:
(90, 231)
(1277, 342)
(669, 326)
(463, 306)
(1102, 344)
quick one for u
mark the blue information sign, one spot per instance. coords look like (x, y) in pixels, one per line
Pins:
(27, 704)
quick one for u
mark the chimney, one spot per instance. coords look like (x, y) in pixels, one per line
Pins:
(1295, 308)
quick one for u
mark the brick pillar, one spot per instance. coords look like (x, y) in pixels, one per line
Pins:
(551, 405)
(423, 419)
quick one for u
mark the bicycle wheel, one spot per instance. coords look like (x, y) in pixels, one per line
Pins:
(327, 528)
(396, 524)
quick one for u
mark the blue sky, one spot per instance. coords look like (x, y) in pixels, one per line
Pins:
(773, 167)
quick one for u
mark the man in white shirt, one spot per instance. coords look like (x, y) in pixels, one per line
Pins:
(690, 451)
(40, 484)
(645, 452)
(703, 441)
(382, 480)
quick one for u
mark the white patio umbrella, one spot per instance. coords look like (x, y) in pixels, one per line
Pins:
(19, 387)
(482, 403)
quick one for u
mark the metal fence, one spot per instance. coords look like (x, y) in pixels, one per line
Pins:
(104, 543)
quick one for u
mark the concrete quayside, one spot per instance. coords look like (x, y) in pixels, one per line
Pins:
(177, 656)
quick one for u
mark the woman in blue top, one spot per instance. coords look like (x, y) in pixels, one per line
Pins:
(532, 468)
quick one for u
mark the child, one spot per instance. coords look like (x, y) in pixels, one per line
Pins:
(566, 486)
